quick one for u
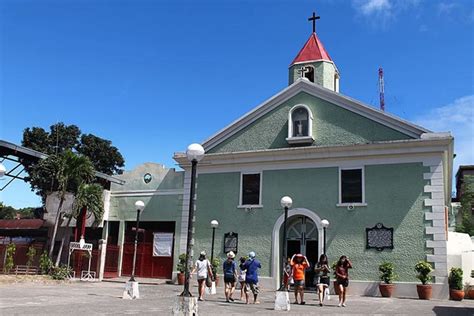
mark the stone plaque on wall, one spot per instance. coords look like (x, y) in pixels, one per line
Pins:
(231, 241)
(379, 237)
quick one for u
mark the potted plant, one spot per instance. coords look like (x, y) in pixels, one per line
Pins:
(387, 276)
(470, 288)
(216, 262)
(181, 267)
(456, 292)
(424, 290)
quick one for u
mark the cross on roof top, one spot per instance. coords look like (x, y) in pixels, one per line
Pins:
(314, 18)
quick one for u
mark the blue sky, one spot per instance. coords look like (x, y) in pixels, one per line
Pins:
(155, 76)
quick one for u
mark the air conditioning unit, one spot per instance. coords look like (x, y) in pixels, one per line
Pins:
(350, 207)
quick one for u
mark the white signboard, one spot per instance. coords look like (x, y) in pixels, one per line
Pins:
(162, 244)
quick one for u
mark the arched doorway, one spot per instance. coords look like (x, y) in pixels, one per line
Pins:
(305, 235)
(302, 237)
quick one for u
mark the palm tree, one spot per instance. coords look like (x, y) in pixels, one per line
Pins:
(87, 199)
(69, 171)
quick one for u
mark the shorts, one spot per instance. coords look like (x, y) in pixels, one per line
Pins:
(252, 287)
(324, 281)
(343, 282)
(229, 279)
(299, 283)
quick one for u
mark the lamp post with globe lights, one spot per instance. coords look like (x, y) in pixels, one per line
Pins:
(214, 225)
(286, 202)
(325, 224)
(194, 153)
(3, 170)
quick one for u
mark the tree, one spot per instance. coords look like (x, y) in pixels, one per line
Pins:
(95, 147)
(60, 138)
(68, 171)
(87, 199)
(467, 204)
(9, 212)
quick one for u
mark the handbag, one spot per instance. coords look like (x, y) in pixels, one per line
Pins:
(208, 281)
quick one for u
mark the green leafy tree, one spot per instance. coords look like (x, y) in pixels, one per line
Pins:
(105, 157)
(87, 199)
(61, 138)
(31, 256)
(467, 204)
(9, 212)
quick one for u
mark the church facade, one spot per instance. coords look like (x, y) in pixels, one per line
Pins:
(338, 159)
(384, 184)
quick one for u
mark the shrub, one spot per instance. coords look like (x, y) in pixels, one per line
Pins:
(216, 262)
(9, 263)
(424, 269)
(387, 274)
(45, 263)
(181, 266)
(31, 256)
(455, 279)
(60, 273)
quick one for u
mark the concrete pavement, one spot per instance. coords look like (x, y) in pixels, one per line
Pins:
(104, 298)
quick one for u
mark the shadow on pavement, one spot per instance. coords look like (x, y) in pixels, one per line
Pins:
(450, 310)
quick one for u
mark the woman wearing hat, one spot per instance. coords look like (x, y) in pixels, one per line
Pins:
(230, 275)
(299, 263)
(203, 268)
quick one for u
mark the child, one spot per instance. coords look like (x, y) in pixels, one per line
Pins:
(342, 278)
(299, 264)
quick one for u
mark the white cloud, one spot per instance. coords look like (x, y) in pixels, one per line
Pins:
(446, 8)
(381, 12)
(457, 118)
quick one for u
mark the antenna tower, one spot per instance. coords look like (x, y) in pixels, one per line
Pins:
(381, 90)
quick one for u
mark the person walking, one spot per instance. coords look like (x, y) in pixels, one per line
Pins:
(241, 277)
(322, 278)
(299, 264)
(203, 268)
(230, 276)
(287, 276)
(342, 278)
(251, 277)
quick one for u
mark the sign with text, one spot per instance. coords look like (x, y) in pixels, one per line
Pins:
(379, 237)
(162, 244)
(231, 241)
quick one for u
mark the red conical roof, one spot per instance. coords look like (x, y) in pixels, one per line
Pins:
(312, 50)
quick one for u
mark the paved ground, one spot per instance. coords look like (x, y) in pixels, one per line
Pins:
(82, 298)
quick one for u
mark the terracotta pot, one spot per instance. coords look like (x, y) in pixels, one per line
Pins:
(336, 287)
(386, 290)
(456, 295)
(216, 279)
(181, 278)
(424, 291)
(470, 293)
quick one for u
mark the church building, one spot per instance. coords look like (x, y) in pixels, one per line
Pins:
(382, 183)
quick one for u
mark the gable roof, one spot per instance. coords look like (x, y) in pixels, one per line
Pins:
(313, 50)
(304, 85)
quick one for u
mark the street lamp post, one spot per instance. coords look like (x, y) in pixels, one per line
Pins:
(139, 205)
(194, 153)
(3, 170)
(325, 224)
(286, 203)
(214, 225)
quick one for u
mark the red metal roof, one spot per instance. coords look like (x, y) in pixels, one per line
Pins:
(312, 50)
(21, 223)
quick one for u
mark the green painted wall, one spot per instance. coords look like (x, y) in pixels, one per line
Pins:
(332, 125)
(324, 73)
(394, 194)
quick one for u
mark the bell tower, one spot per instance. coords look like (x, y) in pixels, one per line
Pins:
(313, 62)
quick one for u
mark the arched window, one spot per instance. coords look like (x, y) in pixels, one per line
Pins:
(300, 118)
(300, 122)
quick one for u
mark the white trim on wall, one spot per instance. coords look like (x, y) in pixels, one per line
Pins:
(300, 139)
(146, 192)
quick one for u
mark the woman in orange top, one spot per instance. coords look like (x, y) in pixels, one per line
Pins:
(299, 264)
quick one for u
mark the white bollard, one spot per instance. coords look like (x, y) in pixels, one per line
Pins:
(282, 301)
(131, 291)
